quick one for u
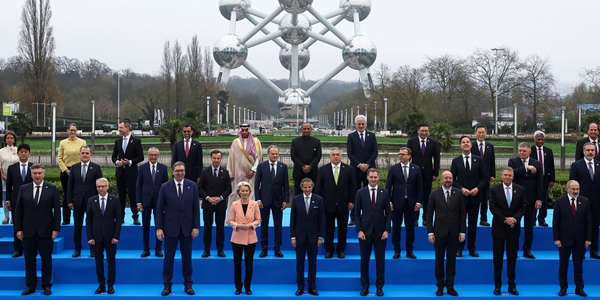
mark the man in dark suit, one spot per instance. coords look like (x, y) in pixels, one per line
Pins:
(426, 155)
(37, 223)
(405, 185)
(362, 152)
(272, 192)
(305, 152)
(470, 177)
(448, 205)
(592, 138)
(507, 204)
(546, 158)
(178, 221)
(373, 216)
(336, 183)
(127, 154)
(103, 226)
(189, 152)
(17, 175)
(572, 231)
(527, 174)
(485, 150)
(587, 173)
(214, 190)
(150, 178)
(307, 226)
(81, 187)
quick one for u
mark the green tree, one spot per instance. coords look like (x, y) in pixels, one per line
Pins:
(170, 131)
(192, 117)
(22, 124)
(412, 122)
(442, 134)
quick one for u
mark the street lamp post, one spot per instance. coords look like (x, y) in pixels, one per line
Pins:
(227, 114)
(208, 113)
(233, 115)
(93, 134)
(119, 97)
(562, 138)
(375, 116)
(385, 124)
(366, 118)
(239, 115)
(218, 112)
(53, 133)
(351, 116)
(496, 90)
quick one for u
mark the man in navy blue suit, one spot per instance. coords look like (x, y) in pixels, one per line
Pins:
(17, 175)
(272, 192)
(470, 177)
(37, 223)
(405, 185)
(127, 154)
(362, 152)
(151, 177)
(485, 150)
(546, 158)
(81, 187)
(528, 175)
(189, 152)
(572, 231)
(103, 226)
(587, 173)
(178, 221)
(307, 226)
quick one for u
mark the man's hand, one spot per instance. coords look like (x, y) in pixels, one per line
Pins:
(8, 205)
(558, 243)
(491, 179)
(461, 238)
(68, 171)
(71, 206)
(20, 235)
(351, 206)
(363, 167)
(474, 191)
(260, 205)
(538, 204)
(417, 206)
(54, 234)
(195, 232)
(391, 206)
(532, 169)
(160, 235)
(551, 184)
(294, 243)
(384, 235)
(92, 242)
(140, 208)
(361, 235)
(249, 174)
(588, 243)
(114, 241)
(431, 238)
(465, 191)
(319, 242)
(306, 168)
(283, 205)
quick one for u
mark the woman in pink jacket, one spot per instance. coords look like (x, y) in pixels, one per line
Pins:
(244, 217)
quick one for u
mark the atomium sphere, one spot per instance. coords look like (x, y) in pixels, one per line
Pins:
(360, 52)
(226, 7)
(363, 7)
(285, 57)
(295, 6)
(230, 52)
(292, 102)
(294, 29)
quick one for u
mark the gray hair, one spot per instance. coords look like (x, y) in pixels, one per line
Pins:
(241, 184)
(102, 179)
(538, 133)
(153, 148)
(360, 117)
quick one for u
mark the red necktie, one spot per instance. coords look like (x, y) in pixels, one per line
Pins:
(573, 206)
(187, 147)
(373, 197)
(540, 154)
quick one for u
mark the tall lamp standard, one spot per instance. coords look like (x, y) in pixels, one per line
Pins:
(375, 116)
(227, 114)
(53, 133)
(208, 113)
(93, 123)
(218, 113)
(385, 125)
(233, 115)
(496, 90)
(119, 73)
(562, 138)
(366, 118)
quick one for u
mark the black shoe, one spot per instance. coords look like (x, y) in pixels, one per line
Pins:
(497, 291)
(248, 292)
(28, 291)
(562, 292)
(158, 253)
(396, 255)
(543, 223)
(484, 223)
(65, 223)
(92, 254)
(439, 292)
(263, 253)
(328, 255)
(313, 292)
(205, 254)
(220, 253)
(513, 291)
(341, 255)
(101, 288)
(411, 255)
(351, 223)
(459, 253)
(189, 290)
(166, 291)
(580, 293)
(238, 291)
(364, 292)
(76, 253)
(592, 255)
(111, 290)
(17, 253)
(136, 220)
(146, 253)
(416, 223)
(299, 291)
(452, 292)
(473, 253)
(278, 253)
(48, 291)
(528, 255)
(379, 292)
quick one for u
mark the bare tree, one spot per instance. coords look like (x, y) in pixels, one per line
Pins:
(409, 83)
(148, 98)
(538, 83)
(166, 70)
(179, 68)
(445, 75)
(195, 68)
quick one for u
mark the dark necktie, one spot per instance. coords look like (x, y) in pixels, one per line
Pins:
(573, 206)
(596, 148)
(373, 197)
(447, 196)
(541, 159)
(467, 165)
(84, 172)
(153, 172)
(481, 149)
(179, 192)
(591, 170)
(362, 139)
(37, 195)
(215, 173)
(273, 171)
(23, 171)
(423, 147)
(306, 203)
(187, 147)
(102, 205)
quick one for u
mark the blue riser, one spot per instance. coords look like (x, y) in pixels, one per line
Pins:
(7, 245)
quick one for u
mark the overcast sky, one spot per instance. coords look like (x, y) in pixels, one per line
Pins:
(131, 33)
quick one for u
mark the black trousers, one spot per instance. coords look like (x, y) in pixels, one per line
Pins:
(248, 252)
(445, 247)
(528, 223)
(265, 214)
(564, 254)
(407, 214)
(342, 225)
(485, 193)
(146, 220)
(302, 249)
(427, 182)
(66, 211)
(512, 247)
(543, 212)
(372, 242)
(31, 247)
(595, 220)
(361, 181)
(126, 186)
(185, 248)
(78, 218)
(472, 209)
(111, 252)
(210, 214)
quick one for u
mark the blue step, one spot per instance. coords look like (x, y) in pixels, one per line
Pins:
(7, 244)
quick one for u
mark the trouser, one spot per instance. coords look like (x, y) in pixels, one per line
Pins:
(248, 252)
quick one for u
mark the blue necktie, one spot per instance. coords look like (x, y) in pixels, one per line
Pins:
(307, 203)
(124, 145)
(102, 205)
(153, 172)
(508, 200)
(23, 171)
(84, 172)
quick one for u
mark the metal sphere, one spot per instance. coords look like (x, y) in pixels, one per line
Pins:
(295, 6)
(293, 100)
(285, 57)
(230, 52)
(363, 7)
(226, 7)
(360, 52)
(294, 28)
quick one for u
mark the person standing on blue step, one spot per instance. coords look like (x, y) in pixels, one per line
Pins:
(17, 175)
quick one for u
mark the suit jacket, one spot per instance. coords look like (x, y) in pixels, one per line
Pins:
(525, 178)
(369, 220)
(305, 152)
(43, 217)
(333, 194)
(489, 157)
(134, 153)
(174, 214)
(212, 187)
(589, 187)
(193, 162)
(14, 181)
(103, 227)
(568, 228)
(500, 209)
(266, 190)
(400, 188)
(579, 147)
(477, 178)
(237, 218)
(307, 226)
(548, 161)
(148, 189)
(359, 154)
(430, 162)
(450, 217)
(78, 190)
